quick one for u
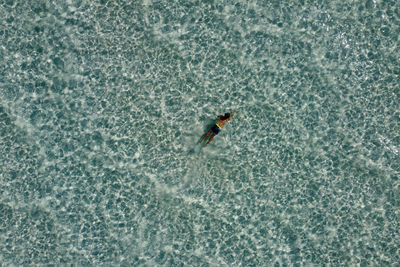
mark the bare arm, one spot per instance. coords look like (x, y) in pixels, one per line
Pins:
(230, 117)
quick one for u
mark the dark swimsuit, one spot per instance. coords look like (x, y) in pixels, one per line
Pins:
(216, 128)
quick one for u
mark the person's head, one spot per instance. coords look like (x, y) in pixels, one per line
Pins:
(227, 115)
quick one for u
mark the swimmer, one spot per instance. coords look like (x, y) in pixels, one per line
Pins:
(217, 127)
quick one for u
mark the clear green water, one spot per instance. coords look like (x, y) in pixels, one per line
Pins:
(102, 103)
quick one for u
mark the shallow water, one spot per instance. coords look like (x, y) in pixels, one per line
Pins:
(102, 105)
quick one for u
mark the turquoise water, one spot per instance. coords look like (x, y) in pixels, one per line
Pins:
(102, 104)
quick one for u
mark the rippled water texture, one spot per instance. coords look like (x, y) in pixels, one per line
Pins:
(102, 104)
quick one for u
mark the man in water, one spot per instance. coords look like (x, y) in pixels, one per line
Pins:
(217, 127)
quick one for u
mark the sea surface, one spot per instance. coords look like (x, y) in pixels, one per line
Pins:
(103, 104)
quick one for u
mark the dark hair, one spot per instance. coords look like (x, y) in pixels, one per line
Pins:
(227, 115)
